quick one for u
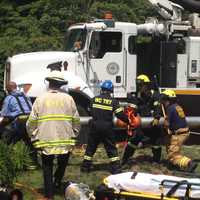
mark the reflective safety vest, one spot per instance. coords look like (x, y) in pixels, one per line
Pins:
(54, 123)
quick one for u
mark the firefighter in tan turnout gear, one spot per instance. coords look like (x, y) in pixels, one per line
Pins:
(178, 132)
(53, 125)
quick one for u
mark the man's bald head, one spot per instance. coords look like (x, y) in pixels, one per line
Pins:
(11, 86)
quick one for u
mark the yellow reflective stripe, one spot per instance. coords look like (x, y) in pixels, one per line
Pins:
(54, 115)
(181, 162)
(184, 162)
(87, 157)
(40, 144)
(54, 119)
(102, 107)
(76, 120)
(56, 141)
(118, 110)
(32, 120)
(114, 159)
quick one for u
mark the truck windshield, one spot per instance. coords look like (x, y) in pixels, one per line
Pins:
(75, 39)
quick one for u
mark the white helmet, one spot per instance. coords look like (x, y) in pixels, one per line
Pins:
(56, 76)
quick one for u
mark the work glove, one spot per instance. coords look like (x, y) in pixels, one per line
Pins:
(155, 122)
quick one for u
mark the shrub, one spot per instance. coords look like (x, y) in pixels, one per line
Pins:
(13, 161)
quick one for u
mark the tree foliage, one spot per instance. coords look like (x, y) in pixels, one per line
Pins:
(36, 25)
(14, 160)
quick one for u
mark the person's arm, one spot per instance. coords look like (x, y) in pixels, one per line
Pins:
(76, 125)
(32, 122)
(118, 111)
(6, 112)
(5, 107)
(157, 110)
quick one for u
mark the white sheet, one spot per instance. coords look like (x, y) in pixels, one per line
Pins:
(149, 183)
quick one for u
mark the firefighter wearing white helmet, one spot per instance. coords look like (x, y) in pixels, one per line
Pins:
(178, 132)
(53, 124)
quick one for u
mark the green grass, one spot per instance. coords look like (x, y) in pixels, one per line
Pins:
(32, 181)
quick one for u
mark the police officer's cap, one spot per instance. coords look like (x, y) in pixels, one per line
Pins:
(55, 66)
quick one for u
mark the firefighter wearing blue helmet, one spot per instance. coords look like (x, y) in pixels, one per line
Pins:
(103, 107)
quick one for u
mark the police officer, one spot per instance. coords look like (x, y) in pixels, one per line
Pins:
(53, 125)
(178, 132)
(103, 107)
(147, 102)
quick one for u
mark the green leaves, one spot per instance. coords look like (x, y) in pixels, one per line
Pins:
(14, 159)
(27, 26)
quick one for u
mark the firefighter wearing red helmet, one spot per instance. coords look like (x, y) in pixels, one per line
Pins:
(103, 107)
(178, 132)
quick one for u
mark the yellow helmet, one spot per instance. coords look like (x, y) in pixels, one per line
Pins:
(144, 78)
(169, 93)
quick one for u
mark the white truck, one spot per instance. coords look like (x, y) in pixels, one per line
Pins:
(118, 51)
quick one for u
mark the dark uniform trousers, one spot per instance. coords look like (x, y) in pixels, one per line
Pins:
(146, 136)
(102, 132)
(47, 165)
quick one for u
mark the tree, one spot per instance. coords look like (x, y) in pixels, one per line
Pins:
(28, 25)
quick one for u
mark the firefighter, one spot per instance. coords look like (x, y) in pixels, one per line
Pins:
(178, 132)
(53, 125)
(147, 102)
(103, 107)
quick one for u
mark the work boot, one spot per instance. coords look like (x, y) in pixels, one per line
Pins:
(157, 151)
(115, 167)
(86, 166)
(128, 152)
(192, 166)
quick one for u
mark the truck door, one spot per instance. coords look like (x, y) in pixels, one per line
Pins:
(106, 58)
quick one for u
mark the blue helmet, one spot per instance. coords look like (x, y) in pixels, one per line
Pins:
(107, 85)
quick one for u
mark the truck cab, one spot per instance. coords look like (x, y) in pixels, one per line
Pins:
(107, 52)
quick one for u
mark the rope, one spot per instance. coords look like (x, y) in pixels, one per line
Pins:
(33, 190)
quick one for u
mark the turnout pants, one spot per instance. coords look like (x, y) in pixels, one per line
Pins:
(47, 166)
(173, 148)
(143, 138)
(102, 133)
